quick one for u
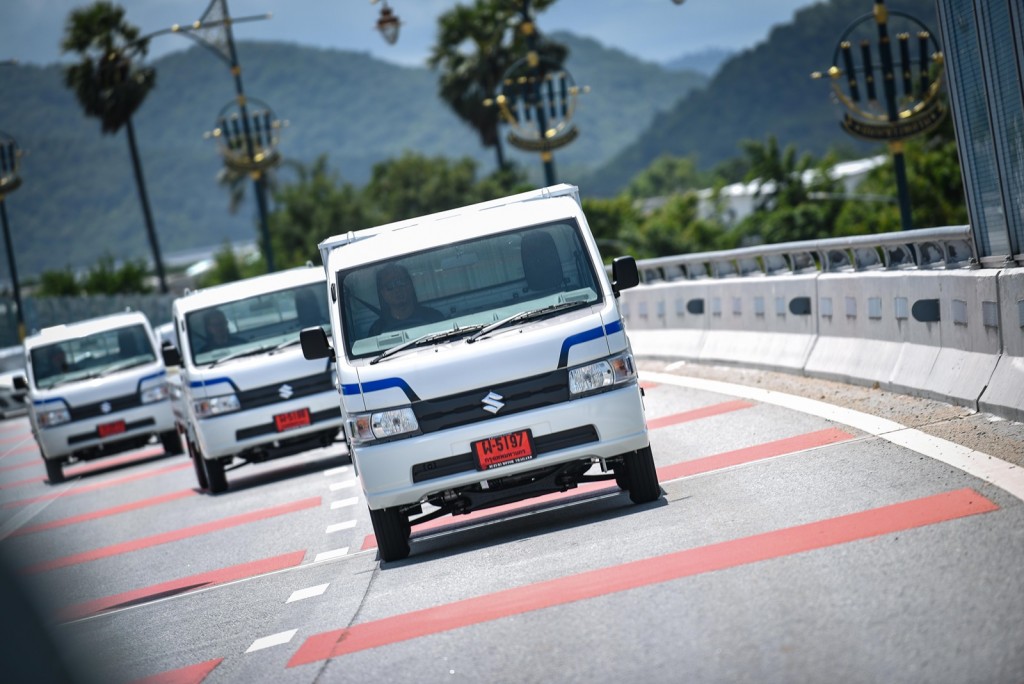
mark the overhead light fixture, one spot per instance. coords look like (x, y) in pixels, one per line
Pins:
(388, 23)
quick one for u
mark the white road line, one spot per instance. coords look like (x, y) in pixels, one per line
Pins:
(338, 527)
(996, 471)
(331, 472)
(345, 484)
(308, 593)
(330, 555)
(272, 640)
(344, 503)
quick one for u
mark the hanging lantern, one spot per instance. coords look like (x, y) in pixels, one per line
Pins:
(388, 24)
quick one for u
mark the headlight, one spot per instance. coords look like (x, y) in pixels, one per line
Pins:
(156, 393)
(214, 406)
(367, 427)
(52, 417)
(601, 374)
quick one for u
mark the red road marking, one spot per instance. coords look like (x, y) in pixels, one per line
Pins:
(193, 674)
(84, 489)
(96, 466)
(696, 414)
(753, 453)
(26, 464)
(172, 536)
(665, 473)
(687, 563)
(205, 579)
(85, 517)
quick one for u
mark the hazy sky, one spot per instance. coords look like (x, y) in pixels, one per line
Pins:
(654, 30)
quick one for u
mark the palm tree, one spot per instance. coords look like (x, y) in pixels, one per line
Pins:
(468, 77)
(109, 87)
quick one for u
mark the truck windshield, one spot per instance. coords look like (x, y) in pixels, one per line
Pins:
(91, 356)
(261, 323)
(464, 286)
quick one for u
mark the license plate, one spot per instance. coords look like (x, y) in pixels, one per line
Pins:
(291, 420)
(108, 429)
(515, 447)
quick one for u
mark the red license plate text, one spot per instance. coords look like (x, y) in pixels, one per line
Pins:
(515, 447)
(292, 419)
(108, 429)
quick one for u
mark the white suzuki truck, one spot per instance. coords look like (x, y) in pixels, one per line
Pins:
(482, 360)
(96, 388)
(243, 392)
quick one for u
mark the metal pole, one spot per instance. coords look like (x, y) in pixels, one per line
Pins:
(13, 269)
(147, 214)
(536, 74)
(889, 89)
(258, 185)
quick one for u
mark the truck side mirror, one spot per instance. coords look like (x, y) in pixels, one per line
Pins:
(315, 344)
(172, 357)
(624, 274)
(20, 383)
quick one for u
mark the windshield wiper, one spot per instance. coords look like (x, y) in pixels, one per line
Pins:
(286, 344)
(429, 338)
(244, 352)
(123, 366)
(526, 316)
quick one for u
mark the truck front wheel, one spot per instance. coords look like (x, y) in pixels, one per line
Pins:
(197, 464)
(216, 481)
(641, 477)
(54, 471)
(391, 528)
(171, 442)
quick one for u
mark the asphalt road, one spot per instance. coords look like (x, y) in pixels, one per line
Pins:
(798, 540)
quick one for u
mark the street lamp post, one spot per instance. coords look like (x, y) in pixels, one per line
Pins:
(538, 99)
(910, 102)
(9, 182)
(213, 30)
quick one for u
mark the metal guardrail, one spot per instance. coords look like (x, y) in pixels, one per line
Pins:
(927, 248)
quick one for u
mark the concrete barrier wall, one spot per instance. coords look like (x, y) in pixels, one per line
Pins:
(955, 335)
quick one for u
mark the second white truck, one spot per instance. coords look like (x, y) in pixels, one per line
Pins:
(243, 392)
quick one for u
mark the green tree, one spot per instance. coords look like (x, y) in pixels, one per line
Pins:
(107, 278)
(229, 267)
(313, 207)
(936, 189)
(58, 284)
(110, 87)
(475, 47)
(414, 185)
(667, 175)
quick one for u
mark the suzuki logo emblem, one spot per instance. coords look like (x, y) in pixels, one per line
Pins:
(493, 402)
(105, 407)
(285, 391)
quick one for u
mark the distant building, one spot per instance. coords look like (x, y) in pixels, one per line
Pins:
(983, 44)
(738, 200)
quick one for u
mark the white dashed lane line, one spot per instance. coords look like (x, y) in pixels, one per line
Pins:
(340, 470)
(344, 484)
(272, 640)
(344, 503)
(309, 592)
(338, 527)
(330, 555)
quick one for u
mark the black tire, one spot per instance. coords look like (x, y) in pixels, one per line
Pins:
(642, 477)
(54, 471)
(392, 529)
(197, 464)
(216, 481)
(171, 442)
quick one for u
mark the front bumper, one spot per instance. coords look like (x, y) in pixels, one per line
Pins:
(80, 439)
(405, 471)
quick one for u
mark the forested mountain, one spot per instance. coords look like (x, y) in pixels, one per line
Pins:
(78, 200)
(766, 90)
